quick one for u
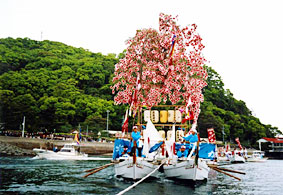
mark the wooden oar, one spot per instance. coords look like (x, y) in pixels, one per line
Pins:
(216, 169)
(224, 169)
(98, 167)
(229, 170)
(197, 152)
(96, 170)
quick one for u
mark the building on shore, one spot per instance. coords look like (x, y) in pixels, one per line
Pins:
(275, 150)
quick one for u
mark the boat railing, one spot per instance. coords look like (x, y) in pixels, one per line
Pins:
(192, 151)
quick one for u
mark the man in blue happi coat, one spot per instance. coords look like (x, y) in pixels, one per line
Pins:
(192, 138)
(136, 135)
(182, 152)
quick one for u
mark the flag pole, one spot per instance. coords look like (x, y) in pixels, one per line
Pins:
(24, 121)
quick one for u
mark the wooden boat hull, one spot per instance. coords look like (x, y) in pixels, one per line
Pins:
(128, 170)
(187, 170)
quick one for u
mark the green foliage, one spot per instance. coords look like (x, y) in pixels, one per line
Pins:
(58, 87)
(55, 86)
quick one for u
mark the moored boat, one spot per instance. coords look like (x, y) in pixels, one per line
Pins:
(257, 156)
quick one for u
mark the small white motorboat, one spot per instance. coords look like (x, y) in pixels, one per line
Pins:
(70, 151)
(257, 156)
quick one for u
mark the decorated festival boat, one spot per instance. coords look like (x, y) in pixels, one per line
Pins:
(160, 68)
(237, 156)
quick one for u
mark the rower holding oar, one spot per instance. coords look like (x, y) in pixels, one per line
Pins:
(192, 138)
(136, 135)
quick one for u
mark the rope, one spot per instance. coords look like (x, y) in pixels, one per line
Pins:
(135, 184)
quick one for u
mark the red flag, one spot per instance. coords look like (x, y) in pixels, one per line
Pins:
(211, 135)
(125, 125)
(188, 117)
(238, 142)
(134, 100)
(227, 147)
(126, 122)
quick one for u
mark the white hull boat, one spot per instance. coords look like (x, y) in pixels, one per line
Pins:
(256, 159)
(140, 169)
(187, 170)
(237, 159)
(68, 152)
(257, 156)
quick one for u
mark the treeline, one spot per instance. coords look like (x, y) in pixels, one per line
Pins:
(57, 87)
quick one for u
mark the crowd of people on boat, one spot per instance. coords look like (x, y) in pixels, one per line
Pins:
(137, 142)
(242, 152)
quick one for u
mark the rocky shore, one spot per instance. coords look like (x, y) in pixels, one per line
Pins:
(10, 150)
(18, 146)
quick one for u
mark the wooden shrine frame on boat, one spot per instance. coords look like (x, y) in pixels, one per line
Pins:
(140, 122)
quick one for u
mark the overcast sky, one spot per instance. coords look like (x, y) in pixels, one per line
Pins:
(243, 38)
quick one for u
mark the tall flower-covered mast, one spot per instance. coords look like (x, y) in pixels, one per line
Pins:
(160, 66)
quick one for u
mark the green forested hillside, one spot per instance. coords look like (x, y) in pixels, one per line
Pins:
(58, 86)
(55, 86)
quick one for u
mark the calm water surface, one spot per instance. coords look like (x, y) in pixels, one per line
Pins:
(29, 176)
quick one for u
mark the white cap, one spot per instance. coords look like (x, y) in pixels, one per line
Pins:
(194, 126)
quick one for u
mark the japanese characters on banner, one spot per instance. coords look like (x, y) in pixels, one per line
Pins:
(239, 144)
(211, 135)
(160, 65)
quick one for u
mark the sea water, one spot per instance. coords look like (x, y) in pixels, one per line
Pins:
(25, 175)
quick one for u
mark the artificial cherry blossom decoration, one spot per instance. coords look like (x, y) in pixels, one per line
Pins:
(167, 64)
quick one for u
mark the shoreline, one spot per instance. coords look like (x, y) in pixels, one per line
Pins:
(21, 146)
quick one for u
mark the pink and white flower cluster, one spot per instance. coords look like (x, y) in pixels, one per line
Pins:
(163, 77)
